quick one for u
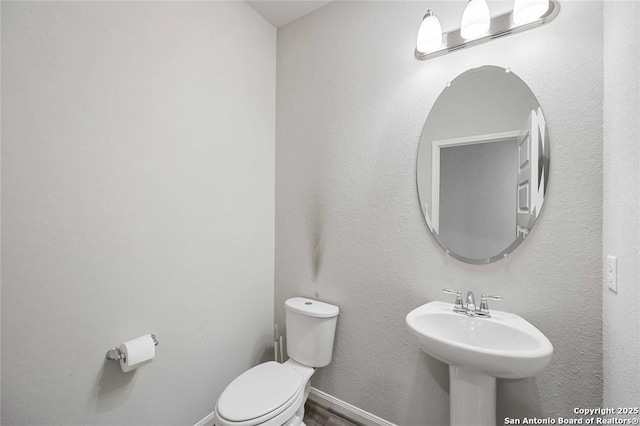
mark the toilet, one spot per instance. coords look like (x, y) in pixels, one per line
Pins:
(273, 394)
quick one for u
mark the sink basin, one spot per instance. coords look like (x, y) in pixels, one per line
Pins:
(503, 346)
(478, 350)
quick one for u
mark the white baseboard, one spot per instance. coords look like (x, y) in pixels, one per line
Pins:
(347, 410)
(207, 420)
(339, 406)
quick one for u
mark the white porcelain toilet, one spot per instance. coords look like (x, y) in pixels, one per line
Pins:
(273, 394)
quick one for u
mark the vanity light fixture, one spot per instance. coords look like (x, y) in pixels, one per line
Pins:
(429, 34)
(478, 26)
(475, 19)
(525, 11)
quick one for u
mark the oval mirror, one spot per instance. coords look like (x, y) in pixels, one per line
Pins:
(483, 165)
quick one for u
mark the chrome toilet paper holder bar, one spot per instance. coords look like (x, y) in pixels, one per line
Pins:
(116, 354)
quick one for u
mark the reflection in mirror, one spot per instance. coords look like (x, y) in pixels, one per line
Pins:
(483, 165)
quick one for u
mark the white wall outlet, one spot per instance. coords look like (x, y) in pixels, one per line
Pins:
(612, 273)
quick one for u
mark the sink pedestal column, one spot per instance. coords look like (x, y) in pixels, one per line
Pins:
(472, 397)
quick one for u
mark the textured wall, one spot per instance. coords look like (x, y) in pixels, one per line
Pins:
(351, 103)
(621, 225)
(138, 144)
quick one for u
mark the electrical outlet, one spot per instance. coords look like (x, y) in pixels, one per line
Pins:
(612, 273)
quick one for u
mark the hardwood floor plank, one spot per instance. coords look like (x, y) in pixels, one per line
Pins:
(318, 415)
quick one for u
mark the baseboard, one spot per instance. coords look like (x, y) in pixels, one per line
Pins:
(346, 410)
(207, 420)
(339, 406)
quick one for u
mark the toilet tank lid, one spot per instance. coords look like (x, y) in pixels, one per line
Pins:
(311, 308)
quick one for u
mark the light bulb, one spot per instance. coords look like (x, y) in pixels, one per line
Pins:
(429, 34)
(475, 19)
(525, 11)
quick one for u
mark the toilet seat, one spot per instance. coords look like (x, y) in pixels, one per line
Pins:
(262, 395)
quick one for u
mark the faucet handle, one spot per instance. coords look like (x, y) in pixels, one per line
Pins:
(458, 306)
(484, 306)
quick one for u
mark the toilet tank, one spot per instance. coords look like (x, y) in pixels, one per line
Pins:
(311, 328)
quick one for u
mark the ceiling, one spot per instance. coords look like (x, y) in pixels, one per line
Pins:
(282, 12)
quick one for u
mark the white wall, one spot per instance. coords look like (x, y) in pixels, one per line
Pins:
(621, 233)
(138, 143)
(351, 103)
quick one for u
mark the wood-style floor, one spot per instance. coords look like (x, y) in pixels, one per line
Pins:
(317, 415)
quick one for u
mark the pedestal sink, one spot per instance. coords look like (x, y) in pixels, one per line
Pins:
(478, 350)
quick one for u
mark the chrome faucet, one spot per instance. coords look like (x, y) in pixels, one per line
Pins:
(483, 311)
(458, 306)
(470, 308)
(471, 303)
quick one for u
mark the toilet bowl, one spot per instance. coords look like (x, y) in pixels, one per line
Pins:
(269, 394)
(273, 394)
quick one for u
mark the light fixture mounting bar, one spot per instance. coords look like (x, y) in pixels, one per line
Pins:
(500, 25)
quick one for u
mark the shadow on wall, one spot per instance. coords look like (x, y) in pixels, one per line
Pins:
(267, 354)
(509, 393)
(439, 372)
(316, 225)
(113, 387)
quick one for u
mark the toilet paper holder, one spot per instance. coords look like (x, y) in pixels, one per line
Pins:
(116, 354)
